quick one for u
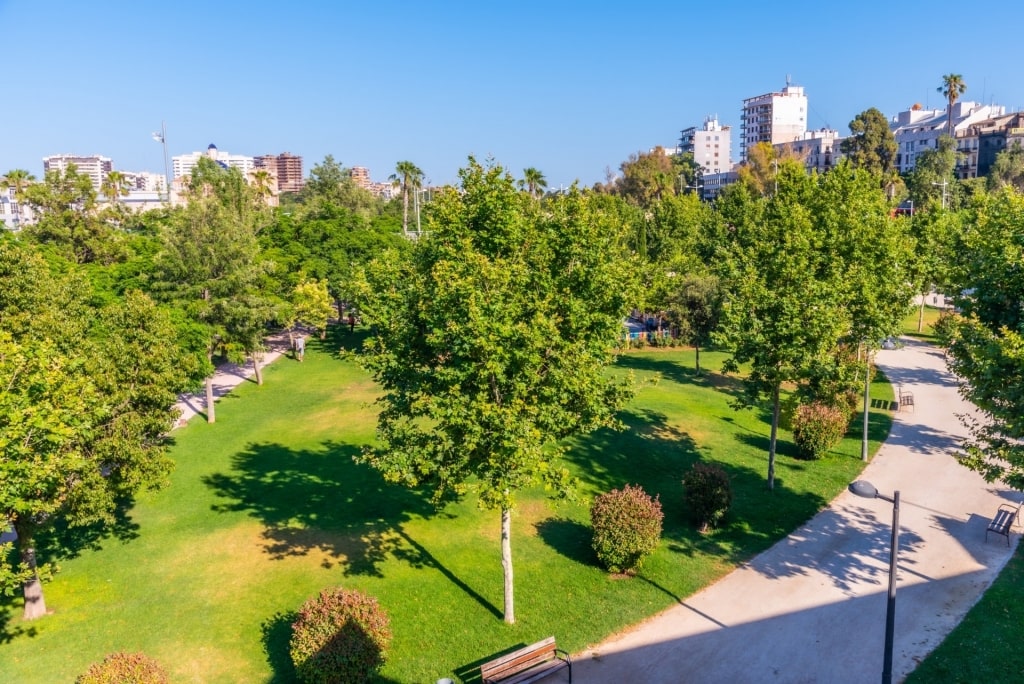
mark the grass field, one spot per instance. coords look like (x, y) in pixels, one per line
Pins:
(926, 319)
(266, 507)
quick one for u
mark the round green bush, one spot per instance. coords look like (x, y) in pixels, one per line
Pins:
(708, 494)
(818, 427)
(124, 668)
(338, 637)
(627, 527)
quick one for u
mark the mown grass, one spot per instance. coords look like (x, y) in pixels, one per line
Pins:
(267, 507)
(985, 646)
(926, 321)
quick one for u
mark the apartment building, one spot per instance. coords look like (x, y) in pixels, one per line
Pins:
(981, 142)
(94, 166)
(183, 164)
(711, 145)
(773, 118)
(287, 168)
(819, 149)
(918, 129)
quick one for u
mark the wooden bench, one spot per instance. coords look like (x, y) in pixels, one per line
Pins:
(528, 664)
(1002, 521)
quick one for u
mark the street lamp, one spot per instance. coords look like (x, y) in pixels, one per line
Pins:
(161, 138)
(867, 490)
(943, 185)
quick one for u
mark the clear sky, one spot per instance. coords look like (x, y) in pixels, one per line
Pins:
(571, 88)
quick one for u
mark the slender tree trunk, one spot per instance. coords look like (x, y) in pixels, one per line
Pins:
(920, 314)
(696, 348)
(256, 367)
(867, 400)
(210, 416)
(506, 564)
(773, 438)
(32, 588)
(405, 209)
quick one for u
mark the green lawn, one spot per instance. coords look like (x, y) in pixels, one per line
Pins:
(926, 321)
(985, 647)
(266, 507)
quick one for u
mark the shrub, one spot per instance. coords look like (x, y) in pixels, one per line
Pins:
(627, 527)
(338, 637)
(124, 668)
(708, 493)
(818, 427)
(946, 327)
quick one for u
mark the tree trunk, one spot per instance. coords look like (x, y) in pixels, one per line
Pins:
(920, 314)
(256, 369)
(405, 210)
(506, 564)
(35, 605)
(210, 417)
(867, 400)
(772, 440)
(696, 348)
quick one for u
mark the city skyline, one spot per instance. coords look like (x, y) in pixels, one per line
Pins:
(571, 90)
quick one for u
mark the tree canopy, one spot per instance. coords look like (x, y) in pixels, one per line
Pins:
(491, 341)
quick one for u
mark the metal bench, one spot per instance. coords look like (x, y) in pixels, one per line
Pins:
(528, 664)
(1002, 521)
(905, 398)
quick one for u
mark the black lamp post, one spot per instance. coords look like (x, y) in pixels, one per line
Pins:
(868, 491)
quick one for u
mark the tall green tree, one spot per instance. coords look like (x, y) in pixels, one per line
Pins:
(211, 268)
(408, 177)
(871, 144)
(987, 352)
(783, 310)
(492, 342)
(694, 309)
(953, 86)
(1008, 169)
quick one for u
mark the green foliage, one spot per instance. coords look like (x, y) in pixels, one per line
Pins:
(694, 310)
(340, 636)
(818, 427)
(946, 327)
(650, 176)
(871, 144)
(627, 527)
(708, 494)
(1008, 169)
(125, 668)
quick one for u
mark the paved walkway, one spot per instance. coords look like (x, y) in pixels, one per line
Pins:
(227, 377)
(812, 608)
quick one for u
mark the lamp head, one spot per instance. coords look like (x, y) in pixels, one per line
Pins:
(864, 489)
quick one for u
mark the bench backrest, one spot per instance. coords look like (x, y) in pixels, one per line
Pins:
(519, 660)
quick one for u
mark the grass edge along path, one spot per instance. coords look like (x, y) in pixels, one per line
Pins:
(266, 508)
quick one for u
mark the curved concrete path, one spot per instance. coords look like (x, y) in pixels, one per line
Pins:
(812, 608)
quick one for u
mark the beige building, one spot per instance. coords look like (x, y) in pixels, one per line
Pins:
(94, 166)
(287, 168)
(711, 146)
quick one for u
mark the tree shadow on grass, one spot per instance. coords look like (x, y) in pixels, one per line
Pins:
(672, 370)
(320, 501)
(64, 542)
(277, 633)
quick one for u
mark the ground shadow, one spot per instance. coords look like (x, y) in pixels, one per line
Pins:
(570, 538)
(319, 500)
(277, 633)
(671, 369)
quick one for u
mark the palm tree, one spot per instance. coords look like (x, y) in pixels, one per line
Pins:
(17, 180)
(407, 175)
(952, 88)
(115, 185)
(533, 181)
(263, 183)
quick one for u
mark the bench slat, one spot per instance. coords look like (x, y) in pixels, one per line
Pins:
(526, 664)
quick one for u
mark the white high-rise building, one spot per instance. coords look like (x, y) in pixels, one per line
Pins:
(94, 166)
(183, 163)
(711, 145)
(773, 118)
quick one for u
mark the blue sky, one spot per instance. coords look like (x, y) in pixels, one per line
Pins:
(570, 88)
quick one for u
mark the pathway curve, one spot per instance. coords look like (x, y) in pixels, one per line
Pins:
(227, 377)
(812, 608)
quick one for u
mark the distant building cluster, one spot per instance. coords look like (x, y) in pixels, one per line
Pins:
(780, 119)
